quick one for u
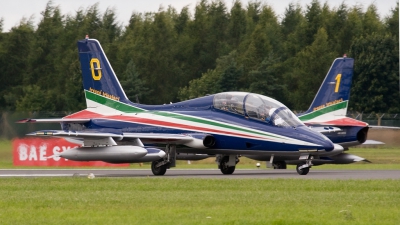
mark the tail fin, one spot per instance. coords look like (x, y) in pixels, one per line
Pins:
(100, 83)
(333, 96)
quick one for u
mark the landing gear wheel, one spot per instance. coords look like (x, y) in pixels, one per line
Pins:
(303, 171)
(225, 169)
(158, 171)
(280, 165)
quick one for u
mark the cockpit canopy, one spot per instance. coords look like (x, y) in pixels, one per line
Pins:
(258, 107)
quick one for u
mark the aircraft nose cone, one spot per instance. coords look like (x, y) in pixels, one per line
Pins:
(324, 142)
(329, 146)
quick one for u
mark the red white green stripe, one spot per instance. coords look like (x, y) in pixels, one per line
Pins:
(106, 108)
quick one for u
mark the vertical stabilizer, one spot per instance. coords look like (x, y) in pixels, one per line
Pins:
(333, 96)
(100, 83)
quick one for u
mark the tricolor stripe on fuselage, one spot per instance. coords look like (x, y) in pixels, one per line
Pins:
(135, 115)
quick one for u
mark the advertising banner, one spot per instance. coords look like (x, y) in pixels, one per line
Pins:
(41, 151)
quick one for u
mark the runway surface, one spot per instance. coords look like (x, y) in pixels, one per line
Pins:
(205, 173)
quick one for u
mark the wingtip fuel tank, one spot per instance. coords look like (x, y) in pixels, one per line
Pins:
(113, 154)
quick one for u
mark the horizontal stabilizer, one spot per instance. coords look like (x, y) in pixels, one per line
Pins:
(373, 142)
(346, 158)
(385, 127)
(342, 158)
(345, 121)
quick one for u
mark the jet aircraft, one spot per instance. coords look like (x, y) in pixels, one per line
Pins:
(327, 115)
(227, 125)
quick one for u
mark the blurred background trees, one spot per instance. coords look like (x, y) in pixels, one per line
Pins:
(168, 56)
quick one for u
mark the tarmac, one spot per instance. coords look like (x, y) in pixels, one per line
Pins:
(206, 173)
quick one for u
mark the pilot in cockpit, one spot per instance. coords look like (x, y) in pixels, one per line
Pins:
(225, 102)
(264, 112)
(233, 104)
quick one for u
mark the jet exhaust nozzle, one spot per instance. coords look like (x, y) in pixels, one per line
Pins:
(201, 141)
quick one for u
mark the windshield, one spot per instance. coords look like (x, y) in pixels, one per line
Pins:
(258, 107)
(270, 111)
(230, 101)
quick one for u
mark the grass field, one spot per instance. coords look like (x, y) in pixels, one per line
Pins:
(198, 201)
(6, 158)
(154, 200)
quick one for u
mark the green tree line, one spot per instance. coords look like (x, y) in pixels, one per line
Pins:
(168, 56)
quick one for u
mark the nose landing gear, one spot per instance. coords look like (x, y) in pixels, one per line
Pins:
(303, 169)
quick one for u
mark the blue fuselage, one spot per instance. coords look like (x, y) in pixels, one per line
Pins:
(232, 131)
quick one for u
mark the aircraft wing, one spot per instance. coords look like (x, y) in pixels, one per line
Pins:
(58, 120)
(160, 138)
(82, 134)
(109, 138)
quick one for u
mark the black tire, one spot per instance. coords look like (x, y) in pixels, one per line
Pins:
(280, 165)
(303, 171)
(228, 170)
(225, 169)
(158, 171)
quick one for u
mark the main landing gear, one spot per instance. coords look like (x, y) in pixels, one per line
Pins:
(160, 167)
(227, 163)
